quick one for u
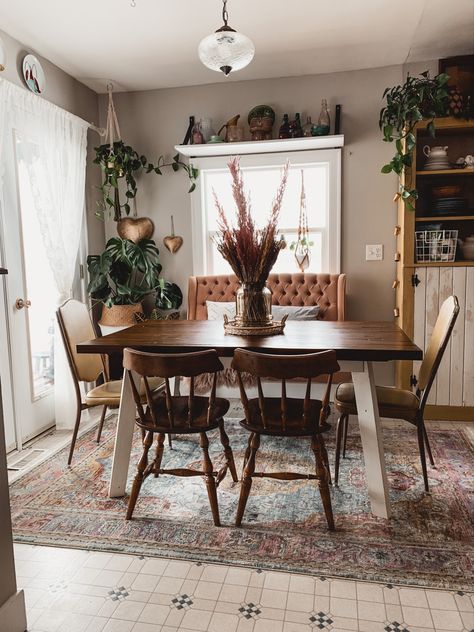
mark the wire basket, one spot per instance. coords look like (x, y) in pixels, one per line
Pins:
(436, 245)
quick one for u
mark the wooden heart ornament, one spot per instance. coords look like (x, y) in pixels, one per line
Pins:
(135, 228)
(173, 242)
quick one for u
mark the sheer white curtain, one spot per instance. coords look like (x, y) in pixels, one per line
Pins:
(57, 143)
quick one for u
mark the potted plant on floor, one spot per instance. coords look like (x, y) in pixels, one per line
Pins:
(122, 277)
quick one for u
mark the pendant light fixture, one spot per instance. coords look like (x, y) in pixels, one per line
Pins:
(226, 50)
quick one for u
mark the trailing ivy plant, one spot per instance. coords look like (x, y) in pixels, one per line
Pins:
(121, 162)
(418, 98)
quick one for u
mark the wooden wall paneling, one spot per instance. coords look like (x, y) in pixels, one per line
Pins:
(444, 371)
(457, 340)
(468, 385)
(432, 303)
(419, 315)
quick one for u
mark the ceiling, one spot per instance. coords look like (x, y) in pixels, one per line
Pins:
(154, 45)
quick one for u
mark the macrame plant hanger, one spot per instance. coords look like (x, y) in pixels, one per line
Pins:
(112, 134)
(302, 248)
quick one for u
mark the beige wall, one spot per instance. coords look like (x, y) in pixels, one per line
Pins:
(71, 95)
(154, 121)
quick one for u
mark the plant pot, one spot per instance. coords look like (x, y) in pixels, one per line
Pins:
(135, 228)
(119, 315)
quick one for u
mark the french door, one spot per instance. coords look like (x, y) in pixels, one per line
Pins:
(30, 300)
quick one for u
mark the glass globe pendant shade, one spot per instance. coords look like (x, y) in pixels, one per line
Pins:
(226, 50)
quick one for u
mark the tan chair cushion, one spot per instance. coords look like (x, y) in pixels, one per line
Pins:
(394, 403)
(108, 394)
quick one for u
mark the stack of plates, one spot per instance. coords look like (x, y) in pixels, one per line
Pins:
(450, 205)
(442, 163)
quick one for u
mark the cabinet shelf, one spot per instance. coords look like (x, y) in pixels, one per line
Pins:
(440, 264)
(446, 172)
(446, 218)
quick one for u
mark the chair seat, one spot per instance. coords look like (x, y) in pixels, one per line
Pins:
(108, 394)
(394, 403)
(295, 425)
(180, 411)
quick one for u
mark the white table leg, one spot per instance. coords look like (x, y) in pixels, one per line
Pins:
(123, 437)
(372, 440)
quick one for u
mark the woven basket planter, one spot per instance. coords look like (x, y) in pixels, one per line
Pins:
(120, 315)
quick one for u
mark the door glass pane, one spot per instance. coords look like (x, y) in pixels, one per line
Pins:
(39, 282)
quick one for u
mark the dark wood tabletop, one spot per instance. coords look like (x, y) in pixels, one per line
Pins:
(370, 341)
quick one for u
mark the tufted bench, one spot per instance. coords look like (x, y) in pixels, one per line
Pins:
(326, 290)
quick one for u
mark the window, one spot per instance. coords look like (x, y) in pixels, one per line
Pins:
(262, 174)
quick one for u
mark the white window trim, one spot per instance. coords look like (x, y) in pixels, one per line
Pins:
(198, 216)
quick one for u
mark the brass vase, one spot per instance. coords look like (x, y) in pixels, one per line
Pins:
(253, 302)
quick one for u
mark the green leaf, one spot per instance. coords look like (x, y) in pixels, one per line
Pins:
(192, 187)
(386, 168)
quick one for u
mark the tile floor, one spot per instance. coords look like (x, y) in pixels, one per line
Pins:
(70, 590)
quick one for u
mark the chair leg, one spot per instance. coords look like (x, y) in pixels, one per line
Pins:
(210, 480)
(339, 429)
(228, 451)
(421, 447)
(159, 453)
(101, 424)
(427, 443)
(246, 485)
(247, 452)
(170, 441)
(318, 447)
(137, 483)
(75, 431)
(344, 443)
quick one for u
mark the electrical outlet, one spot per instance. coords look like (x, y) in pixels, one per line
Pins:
(374, 252)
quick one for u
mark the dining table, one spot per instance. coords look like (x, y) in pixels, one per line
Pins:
(358, 346)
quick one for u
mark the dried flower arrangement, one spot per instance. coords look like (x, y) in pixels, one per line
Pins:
(250, 251)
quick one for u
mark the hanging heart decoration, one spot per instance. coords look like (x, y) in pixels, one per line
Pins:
(135, 228)
(173, 242)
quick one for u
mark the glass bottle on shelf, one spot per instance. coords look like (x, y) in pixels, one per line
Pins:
(284, 128)
(197, 137)
(308, 127)
(324, 121)
(298, 131)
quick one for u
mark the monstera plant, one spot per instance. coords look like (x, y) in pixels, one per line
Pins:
(126, 274)
(418, 98)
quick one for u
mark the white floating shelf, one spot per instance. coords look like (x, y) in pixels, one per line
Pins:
(261, 147)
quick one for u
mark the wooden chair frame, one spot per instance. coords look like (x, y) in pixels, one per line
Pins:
(285, 368)
(429, 367)
(170, 366)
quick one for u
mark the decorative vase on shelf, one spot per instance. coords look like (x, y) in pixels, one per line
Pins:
(198, 138)
(253, 303)
(307, 128)
(284, 128)
(207, 130)
(324, 121)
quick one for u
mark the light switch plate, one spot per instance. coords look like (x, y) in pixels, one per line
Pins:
(374, 252)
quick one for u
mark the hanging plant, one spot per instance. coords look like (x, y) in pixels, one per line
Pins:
(120, 163)
(302, 246)
(418, 98)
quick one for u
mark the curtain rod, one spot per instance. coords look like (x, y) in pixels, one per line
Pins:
(100, 130)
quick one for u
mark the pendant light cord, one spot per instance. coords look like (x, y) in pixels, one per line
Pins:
(225, 15)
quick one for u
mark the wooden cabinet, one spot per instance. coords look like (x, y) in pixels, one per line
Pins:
(421, 287)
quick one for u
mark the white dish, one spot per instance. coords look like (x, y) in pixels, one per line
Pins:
(33, 74)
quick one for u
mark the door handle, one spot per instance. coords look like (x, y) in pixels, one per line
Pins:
(20, 303)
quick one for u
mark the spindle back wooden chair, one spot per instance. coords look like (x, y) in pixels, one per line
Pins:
(284, 416)
(168, 414)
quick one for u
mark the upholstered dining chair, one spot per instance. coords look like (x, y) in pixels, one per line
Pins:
(166, 414)
(396, 403)
(76, 326)
(284, 416)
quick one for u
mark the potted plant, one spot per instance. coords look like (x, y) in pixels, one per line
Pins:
(121, 163)
(418, 98)
(168, 296)
(121, 277)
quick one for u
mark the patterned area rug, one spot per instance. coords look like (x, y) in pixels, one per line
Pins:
(429, 540)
